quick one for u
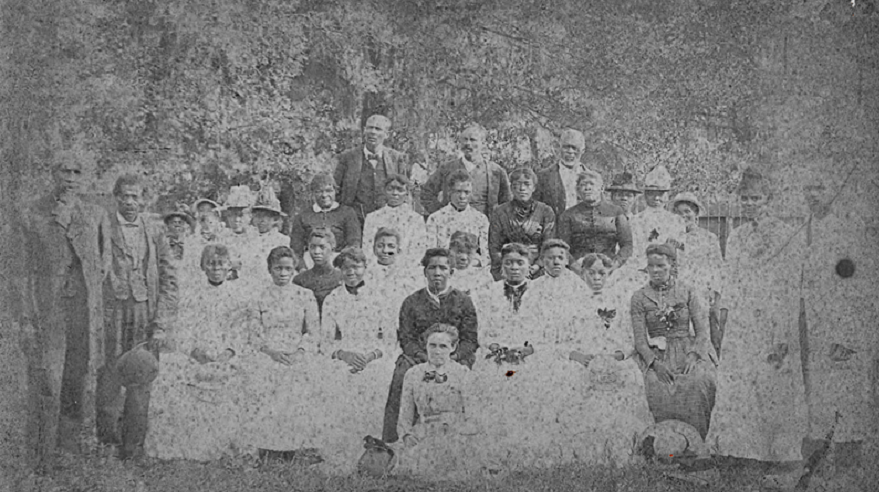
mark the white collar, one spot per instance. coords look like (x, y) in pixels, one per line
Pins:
(378, 152)
(122, 220)
(452, 209)
(317, 208)
(436, 297)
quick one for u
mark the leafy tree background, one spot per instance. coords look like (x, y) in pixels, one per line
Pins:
(199, 95)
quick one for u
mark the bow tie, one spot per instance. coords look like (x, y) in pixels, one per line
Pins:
(437, 378)
(513, 293)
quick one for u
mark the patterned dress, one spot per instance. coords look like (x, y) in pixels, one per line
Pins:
(655, 225)
(661, 318)
(761, 408)
(409, 223)
(255, 254)
(700, 264)
(448, 220)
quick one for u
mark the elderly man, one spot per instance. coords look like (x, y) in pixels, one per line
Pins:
(361, 173)
(557, 184)
(64, 256)
(141, 297)
(491, 186)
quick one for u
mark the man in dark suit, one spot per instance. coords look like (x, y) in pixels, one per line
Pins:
(557, 184)
(140, 303)
(491, 185)
(361, 172)
(60, 265)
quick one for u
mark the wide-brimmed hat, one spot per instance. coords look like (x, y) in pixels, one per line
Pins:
(687, 197)
(178, 210)
(239, 197)
(204, 200)
(658, 179)
(266, 200)
(624, 181)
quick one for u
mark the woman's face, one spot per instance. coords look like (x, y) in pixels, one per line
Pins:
(352, 272)
(589, 190)
(753, 204)
(687, 211)
(177, 226)
(522, 188)
(461, 258)
(396, 194)
(216, 267)
(439, 349)
(386, 249)
(624, 199)
(596, 276)
(235, 220)
(210, 225)
(554, 261)
(264, 220)
(658, 268)
(320, 249)
(655, 198)
(282, 271)
(515, 267)
(325, 196)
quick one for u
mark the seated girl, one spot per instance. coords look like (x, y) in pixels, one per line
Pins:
(359, 335)
(194, 412)
(285, 368)
(436, 430)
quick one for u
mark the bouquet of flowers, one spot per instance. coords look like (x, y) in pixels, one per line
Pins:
(607, 315)
(506, 354)
(669, 314)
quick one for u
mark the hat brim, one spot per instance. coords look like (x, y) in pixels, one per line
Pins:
(268, 209)
(623, 188)
(656, 188)
(695, 203)
(205, 200)
(185, 216)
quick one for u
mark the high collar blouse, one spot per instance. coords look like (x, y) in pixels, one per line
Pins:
(648, 305)
(601, 228)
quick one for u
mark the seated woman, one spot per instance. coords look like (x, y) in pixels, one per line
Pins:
(387, 273)
(498, 303)
(468, 276)
(359, 334)
(679, 367)
(283, 330)
(194, 410)
(435, 427)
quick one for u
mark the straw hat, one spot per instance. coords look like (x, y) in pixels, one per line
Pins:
(205, 200)
(266, 200)
(687, 197)
(239, 197)
(624, 181)
(658, 179)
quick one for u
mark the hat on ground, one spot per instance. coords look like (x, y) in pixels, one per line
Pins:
(687, 197)
(266, 200)
(239, 197)
(624, 181)
(658, 179)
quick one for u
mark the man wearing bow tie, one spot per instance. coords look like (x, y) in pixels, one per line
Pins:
(140, 302)
(361, 172)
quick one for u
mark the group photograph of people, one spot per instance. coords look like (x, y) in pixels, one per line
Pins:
(497, 320)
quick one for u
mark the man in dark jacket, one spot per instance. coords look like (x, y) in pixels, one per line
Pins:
(491, 186)
(439, 302)
(557, 184)
(361, 172)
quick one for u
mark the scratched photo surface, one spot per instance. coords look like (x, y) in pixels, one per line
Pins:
(439, 245)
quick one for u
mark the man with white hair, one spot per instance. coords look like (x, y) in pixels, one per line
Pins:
(557, 184)
(361, 173)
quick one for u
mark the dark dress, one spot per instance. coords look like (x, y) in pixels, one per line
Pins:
(517, 222)
(601, 228)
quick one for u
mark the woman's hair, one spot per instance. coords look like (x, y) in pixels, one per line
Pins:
(441, 328)
(663, 250)
(323, 233)
(387, 232)
(349, 253)
(279, 252)
(397, 178)
(433, 252)
(462, 241)
(523, 172)
(589, 174)
(554, 243)
(459, 176)
(218, 250)
(321, 181)
(520, 248)
(591, 258)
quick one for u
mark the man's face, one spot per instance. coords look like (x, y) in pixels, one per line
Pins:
(282, 271)
(687, 211)
(515, 267)
(571, 151)
(325, 196)
(461, 258)
(589, 190)
(522, 188)
(217, 267)
(753, 204)
(386, 250)
(264, 221)
(375, 132)
(319, 249)
(396, 194)
(437, 273)
(235, 220)
(69, 178)
(554, 261)
(655, 198)
(459, 195)
(352, 272)
(177, 226)
(472, 143)
(129, 201)
(624, 199)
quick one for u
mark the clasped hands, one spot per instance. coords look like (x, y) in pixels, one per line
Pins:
(284, 357)
(355, 360)
(202, 356)
(666, 375)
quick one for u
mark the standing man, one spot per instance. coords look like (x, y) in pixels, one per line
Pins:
(491, 186)
(141, 302)
(557, 184)
(361, 173)
(439, 302)
(63, 259)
